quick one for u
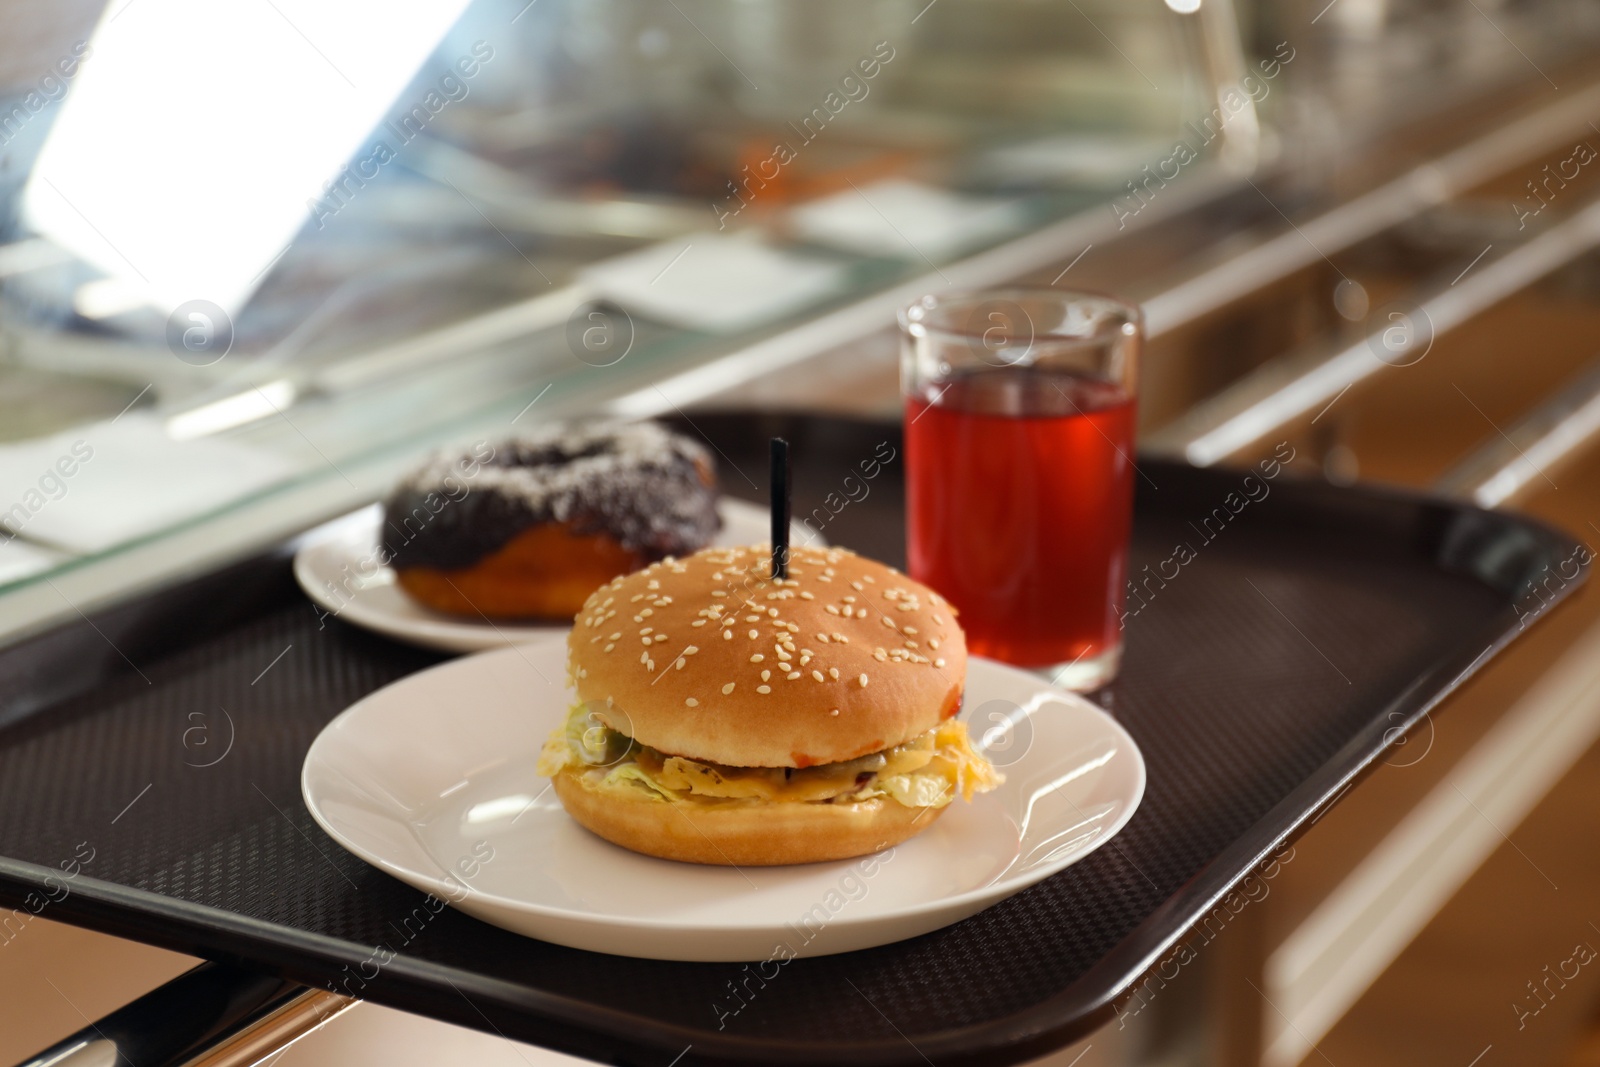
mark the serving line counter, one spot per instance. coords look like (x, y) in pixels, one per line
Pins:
(1369, 874)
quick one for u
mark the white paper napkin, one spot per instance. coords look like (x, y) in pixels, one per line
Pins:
(904, 219)
(98, 486)
(715, 282)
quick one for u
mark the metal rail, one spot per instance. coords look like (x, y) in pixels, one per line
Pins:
(1277, 394)
(1423, 187)
(212, 1016)
(1560, 428)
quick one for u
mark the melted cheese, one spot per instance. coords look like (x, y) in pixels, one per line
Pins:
(926, 772)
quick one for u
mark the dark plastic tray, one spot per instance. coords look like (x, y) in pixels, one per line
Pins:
(1260, 678)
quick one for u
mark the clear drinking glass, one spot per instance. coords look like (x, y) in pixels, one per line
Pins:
(1019, 428)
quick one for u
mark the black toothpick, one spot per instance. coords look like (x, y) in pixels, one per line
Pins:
(780, 508)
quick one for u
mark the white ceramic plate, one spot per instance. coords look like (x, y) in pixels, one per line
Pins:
(432, 779)
(338, 569)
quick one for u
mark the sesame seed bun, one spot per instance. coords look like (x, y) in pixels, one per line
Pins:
(750, 834)
(857, 656)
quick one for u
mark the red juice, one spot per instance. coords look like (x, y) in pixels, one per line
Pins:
(1020, 499)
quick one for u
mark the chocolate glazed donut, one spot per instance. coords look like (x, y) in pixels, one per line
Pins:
(529, 527)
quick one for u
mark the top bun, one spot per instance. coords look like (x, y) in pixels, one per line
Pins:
(707, 657)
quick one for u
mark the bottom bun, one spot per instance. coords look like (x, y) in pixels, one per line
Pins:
(741, 835)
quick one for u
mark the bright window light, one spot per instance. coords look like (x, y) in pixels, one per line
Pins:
(196, 132)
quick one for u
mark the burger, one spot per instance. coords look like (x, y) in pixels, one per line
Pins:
(724, 716)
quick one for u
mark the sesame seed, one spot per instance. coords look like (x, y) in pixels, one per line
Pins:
(855, 585)
(888, 622)
(763, 688)
(648, 630)
(831, 610)
(909, 630)
(835, 711)
(833, 672)
(863, 681)
(727, 635)
(939, 662)
(650, 665)
(615, 636)
(727, 689)
(611, 646)
(933, 642)
(773, 612)
(644, 657)
(817, 675)
(757, 658)
(682, 663)
(806, 596)
(691, 650)
(635, 599)
(754, 635)
(766, 676)
(692, 702)
(698, 622)
(792, 675)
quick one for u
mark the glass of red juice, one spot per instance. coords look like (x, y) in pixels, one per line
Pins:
(1019, 430)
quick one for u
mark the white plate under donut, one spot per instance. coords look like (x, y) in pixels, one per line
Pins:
(432, 780)
(337, 567)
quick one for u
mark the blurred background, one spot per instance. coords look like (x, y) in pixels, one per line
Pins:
(255, 258)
